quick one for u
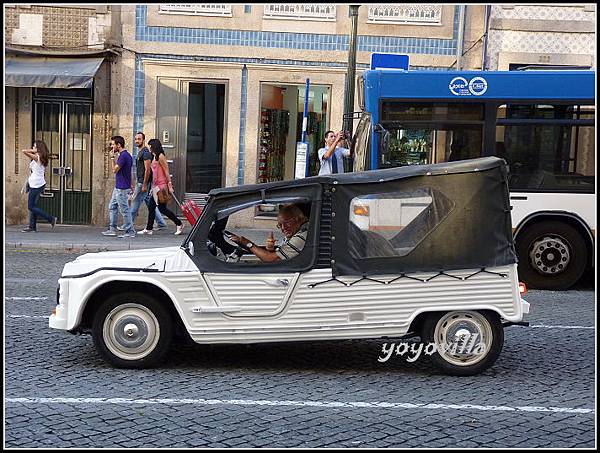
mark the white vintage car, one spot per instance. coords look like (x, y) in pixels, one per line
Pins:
(444, 270)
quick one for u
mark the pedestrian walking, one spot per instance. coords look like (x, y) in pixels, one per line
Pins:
(142, 184)
(119, 199)
(162, 188)
(36, 183)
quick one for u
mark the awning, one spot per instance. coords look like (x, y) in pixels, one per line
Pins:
(46, 72)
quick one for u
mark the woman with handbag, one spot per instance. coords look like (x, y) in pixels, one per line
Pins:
(36, 183)
(162, 188)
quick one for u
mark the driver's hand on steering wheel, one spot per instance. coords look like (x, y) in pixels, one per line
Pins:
(238, 239)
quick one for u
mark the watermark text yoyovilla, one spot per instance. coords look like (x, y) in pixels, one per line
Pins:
(466, 345)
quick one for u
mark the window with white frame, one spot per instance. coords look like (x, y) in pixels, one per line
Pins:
(405, 14)
(300, 12)
(197, 10)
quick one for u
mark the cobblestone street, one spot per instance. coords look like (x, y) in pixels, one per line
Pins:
(59, 393)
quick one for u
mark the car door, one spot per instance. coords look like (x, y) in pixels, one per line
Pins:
(249, 287)
(241, 294)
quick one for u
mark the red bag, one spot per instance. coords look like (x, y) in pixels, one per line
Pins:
(191, 211)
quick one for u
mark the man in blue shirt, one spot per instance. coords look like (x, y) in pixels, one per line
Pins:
(119, 199)
(332, 155)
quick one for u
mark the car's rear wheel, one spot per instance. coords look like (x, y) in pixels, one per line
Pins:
(132, 330)
(466, 342)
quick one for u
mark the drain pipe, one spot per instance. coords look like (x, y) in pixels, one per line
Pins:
(486, 31)
(461, 36)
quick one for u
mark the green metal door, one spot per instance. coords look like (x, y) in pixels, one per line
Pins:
(65, 126)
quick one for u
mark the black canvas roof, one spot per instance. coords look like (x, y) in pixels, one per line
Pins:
(389, 174)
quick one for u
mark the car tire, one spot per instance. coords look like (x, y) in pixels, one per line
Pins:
(132, 330)
(460, 359)
(566, 244)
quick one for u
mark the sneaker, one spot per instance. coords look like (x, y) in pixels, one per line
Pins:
(109, 232)
(131, 234)
(54, 222)
(179, 230)
(120, 228)
(28, 230)
(145, 231)
(161, 227)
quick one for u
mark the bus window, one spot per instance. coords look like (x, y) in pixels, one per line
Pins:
(418, 145)
(431, 111)
(431, 132)
(553, 153)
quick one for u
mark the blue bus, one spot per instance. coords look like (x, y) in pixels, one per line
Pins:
(541, 122)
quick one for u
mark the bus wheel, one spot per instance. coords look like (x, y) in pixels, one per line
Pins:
(552, 255)
(132, 330)
(466, 342)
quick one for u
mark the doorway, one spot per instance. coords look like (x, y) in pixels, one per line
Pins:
(65, 126)
(204, 149)
(190, 123)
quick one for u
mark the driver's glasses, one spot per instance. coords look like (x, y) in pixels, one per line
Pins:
(286, 223)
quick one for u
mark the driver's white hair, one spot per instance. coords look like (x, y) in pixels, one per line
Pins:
(293, 211)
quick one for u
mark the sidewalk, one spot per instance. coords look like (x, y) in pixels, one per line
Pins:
(84, 238)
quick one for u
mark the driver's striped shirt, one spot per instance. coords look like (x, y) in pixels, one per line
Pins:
(294, 245)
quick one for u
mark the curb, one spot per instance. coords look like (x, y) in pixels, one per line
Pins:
(73, 248)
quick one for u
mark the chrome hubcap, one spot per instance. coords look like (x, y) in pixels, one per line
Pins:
(550, 255)
(131, 331)
(463, 338)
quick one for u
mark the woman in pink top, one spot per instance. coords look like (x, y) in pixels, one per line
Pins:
(160, 179)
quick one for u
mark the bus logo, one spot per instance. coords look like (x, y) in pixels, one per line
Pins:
(475, 87)
(459, 86)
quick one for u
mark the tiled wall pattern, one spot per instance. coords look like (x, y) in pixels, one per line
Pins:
(306, 41)
(241, 156)
(541, 42)
(63, 27)
(545, 12)
(138, 99)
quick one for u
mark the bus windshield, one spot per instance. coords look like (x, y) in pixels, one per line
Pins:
(361, 143)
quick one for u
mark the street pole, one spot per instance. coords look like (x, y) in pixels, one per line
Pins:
(351, 75)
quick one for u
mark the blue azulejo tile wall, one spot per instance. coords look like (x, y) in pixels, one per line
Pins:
(288, 40)
(242, 156)
(269, 39)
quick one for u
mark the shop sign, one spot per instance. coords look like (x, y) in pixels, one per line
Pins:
(301, 157)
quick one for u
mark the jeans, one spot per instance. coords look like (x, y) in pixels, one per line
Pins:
(138, 197)
(34, 211)
(119, 201)
(162, 207)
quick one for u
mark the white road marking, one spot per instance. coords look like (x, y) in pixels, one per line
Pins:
(28, 316)
(325, 404)
(542, 326)
(25, 298)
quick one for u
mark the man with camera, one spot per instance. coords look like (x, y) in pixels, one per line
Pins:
(331, 156)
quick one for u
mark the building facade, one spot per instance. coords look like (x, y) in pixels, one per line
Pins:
(57, 88)
(223, 86)
(541, 36)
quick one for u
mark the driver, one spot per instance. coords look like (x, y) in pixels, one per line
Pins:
(293, 224)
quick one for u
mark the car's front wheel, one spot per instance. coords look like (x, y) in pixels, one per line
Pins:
(466, 342)
(132, 330)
